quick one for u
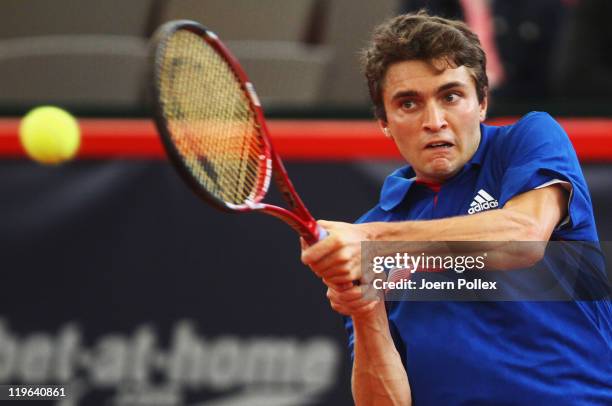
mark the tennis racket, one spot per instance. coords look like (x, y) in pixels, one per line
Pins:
(212, 127)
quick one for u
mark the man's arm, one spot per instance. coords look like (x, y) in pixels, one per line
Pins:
(531, 216)
(378, 377)
(378, 373)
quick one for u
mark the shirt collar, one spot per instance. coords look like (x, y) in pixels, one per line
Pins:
(397, 185)
(479, 155)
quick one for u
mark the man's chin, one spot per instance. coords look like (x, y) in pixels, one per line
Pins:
(442, 174)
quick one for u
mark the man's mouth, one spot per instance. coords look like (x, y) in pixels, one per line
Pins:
(441, 144)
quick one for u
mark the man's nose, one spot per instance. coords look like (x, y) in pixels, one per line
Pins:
(434, 119)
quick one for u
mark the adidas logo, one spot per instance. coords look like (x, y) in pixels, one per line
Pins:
(482, 201)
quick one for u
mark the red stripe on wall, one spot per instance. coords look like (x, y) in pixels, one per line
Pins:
(293, 139)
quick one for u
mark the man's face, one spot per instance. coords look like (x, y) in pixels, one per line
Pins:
(433, 116)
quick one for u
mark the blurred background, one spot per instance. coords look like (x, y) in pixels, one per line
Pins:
(120, 283)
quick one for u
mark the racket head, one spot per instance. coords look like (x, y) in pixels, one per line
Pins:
(209, 117)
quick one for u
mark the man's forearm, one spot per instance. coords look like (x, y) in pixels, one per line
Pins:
(490, 231)
(493, 225)
(531, 216)
(379, 377)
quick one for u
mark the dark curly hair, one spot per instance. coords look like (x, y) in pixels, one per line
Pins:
(420, 36)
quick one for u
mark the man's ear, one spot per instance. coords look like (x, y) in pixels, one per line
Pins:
(384, 128)
(484, 104)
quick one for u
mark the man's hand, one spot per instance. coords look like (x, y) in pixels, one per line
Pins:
(337, 261)
(337, 258)
(354, 301)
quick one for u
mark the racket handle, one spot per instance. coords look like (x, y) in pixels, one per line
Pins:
(321, 232)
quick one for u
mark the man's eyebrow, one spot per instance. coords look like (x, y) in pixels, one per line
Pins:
(404, 93)
(413, 93)
(450, 85)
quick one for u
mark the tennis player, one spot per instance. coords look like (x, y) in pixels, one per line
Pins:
(427, 81)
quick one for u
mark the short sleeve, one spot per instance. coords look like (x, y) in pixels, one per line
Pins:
(537, 151)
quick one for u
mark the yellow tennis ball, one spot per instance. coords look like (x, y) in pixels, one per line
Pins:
(50, 135)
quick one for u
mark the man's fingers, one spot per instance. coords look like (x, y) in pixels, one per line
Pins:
(339, 287)
(344, 255)
(346, 296)
(353, 294)
(354, 310)
(316, 252)
(337, 239)
(343, 272)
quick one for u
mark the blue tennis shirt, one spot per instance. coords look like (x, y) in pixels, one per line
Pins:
(498, 353)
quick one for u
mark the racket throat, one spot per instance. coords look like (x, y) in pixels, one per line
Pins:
(307, 229)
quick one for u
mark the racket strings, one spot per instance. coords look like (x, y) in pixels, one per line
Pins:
(210, 119)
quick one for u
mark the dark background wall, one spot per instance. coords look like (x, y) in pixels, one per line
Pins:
(119, 281)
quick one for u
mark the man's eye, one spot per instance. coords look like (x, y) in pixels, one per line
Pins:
(451, 97)
(408, 104)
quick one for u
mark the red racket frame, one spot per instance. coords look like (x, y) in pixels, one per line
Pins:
(297, 216)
